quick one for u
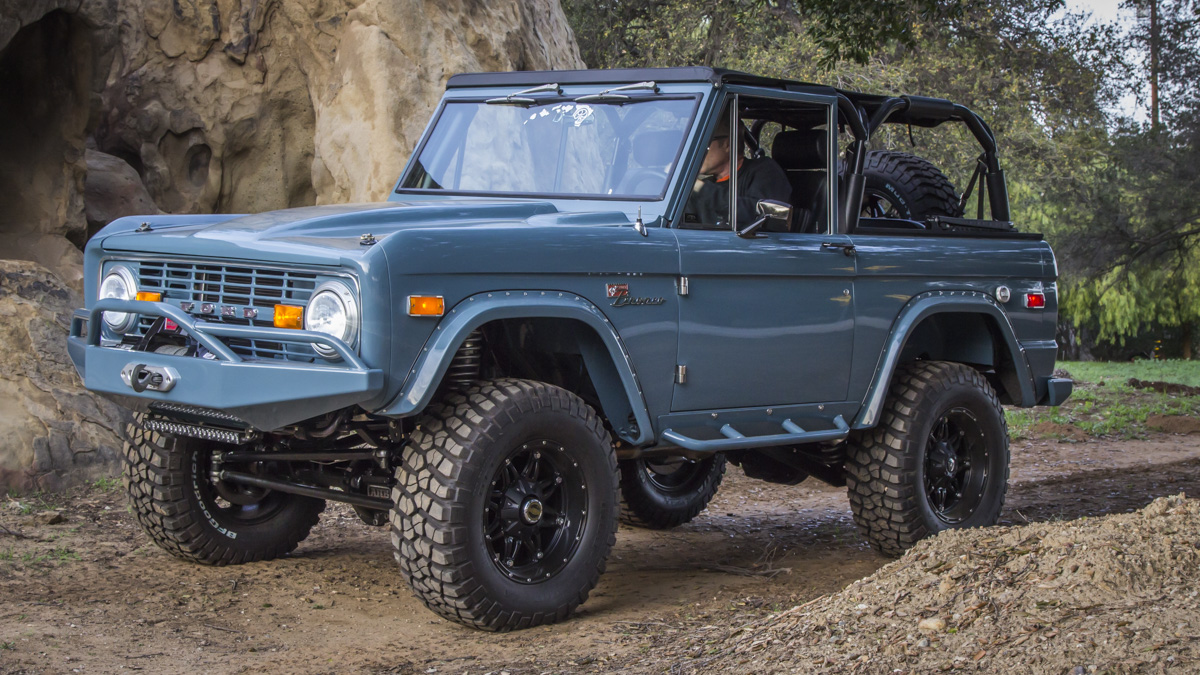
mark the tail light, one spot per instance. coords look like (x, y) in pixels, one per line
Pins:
(1035, 300)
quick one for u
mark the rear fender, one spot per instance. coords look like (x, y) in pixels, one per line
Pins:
(619, 390)
(1015, 373)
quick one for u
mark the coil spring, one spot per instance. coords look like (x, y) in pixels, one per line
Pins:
(464, 367)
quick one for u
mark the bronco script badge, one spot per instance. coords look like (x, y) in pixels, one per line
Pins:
(619, 294)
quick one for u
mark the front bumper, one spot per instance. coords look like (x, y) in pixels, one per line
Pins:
(265, 393)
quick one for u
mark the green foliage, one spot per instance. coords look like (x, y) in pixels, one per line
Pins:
(107, 484)
(646, 33)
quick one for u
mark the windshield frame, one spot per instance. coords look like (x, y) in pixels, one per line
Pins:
(686, 134)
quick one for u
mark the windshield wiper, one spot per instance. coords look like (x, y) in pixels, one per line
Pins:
(518, 97)
(609, 95)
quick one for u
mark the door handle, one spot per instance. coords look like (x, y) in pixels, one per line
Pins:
(848, 249)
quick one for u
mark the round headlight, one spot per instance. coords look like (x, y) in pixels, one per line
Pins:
(332, 310)
(119, 284)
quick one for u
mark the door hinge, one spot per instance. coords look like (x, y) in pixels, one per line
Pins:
(680, 374)
(682, 285)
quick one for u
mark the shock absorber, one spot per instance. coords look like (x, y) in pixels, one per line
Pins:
(464, 367)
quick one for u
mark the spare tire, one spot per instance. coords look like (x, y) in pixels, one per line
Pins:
(900, 185)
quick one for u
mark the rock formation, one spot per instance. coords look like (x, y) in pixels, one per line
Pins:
(115, 107)
(52, 432)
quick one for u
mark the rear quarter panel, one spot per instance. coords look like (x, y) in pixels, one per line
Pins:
(892, 269)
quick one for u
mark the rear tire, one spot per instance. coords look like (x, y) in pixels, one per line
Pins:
(661, 496)
(183, 512)
(937, 460)
(506, 505)
(900, 185)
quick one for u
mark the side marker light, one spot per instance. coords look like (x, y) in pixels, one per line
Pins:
(426, 305)
(1035, 300)
(289, 316)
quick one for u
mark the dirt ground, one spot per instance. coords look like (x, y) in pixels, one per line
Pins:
(91, 594)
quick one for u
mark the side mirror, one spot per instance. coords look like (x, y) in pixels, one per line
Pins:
(768, 209)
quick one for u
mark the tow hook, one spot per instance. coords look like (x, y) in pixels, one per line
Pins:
(141, 377)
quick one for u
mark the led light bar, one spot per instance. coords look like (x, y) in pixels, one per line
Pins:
(194, 431)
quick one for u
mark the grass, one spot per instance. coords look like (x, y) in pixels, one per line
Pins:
(106, 484)
(1175, 371)
(1103, 403)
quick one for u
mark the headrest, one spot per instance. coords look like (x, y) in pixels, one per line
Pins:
(800, 150)
(656, 148)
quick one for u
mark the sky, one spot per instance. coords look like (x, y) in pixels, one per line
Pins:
(1103, 10)
(1107, 11)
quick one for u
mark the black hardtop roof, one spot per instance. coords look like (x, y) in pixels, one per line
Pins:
(618, 76)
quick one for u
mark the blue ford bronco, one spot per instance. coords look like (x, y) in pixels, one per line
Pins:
(537, 335)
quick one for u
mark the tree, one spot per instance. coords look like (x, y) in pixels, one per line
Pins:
(647, 33)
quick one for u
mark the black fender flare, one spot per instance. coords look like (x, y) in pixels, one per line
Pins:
(925, 305)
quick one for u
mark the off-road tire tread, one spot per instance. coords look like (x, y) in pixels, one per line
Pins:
(881, 467)
(430, 547)
(930, 190)
(156, 481)
(637, 511)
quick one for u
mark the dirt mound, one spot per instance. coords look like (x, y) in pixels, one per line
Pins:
(1174, 424)
(1111, 594)
(1164, 387)
(1068, 432)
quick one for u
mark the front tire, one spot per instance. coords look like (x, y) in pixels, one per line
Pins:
(937, 460)
(659, 496)
(506, 505)
(184, 513)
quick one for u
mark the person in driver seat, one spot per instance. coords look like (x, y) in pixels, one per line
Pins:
(757, 178)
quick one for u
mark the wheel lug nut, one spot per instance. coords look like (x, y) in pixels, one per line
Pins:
(539, 555)
(509, 562)
(558, 480)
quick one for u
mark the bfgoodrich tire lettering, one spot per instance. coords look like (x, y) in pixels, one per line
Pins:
(661, 496)
(468, 482)
(937, 460)
(166, 478)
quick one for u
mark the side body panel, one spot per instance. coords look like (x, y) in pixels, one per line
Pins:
(895, 270)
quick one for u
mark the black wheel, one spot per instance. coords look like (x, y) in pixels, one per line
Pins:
(663, 494)
(900, 185)
(506, 505)
(938, 458)
(215, 523)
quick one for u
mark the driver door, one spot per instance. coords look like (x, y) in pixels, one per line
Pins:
(769, 320)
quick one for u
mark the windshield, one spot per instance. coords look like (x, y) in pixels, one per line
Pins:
(558, 149)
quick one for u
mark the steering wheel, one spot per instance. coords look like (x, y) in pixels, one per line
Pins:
(637, 177)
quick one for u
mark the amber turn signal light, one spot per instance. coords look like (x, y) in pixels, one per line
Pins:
(149, 296)
(288, 316)
(426, 305)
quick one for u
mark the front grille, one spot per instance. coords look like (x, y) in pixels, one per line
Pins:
(231, 290)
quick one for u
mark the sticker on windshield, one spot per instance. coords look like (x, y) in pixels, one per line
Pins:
(582, 114)
(577, 114)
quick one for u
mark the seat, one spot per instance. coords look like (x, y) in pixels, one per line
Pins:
(802, 154)
(654, 152)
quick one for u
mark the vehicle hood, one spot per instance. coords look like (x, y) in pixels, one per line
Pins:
(319, 233)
